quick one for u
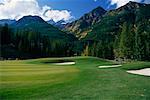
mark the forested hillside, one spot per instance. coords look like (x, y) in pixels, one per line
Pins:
(122, 33)
(32, 37)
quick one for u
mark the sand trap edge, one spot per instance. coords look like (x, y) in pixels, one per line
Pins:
(143, 72)
(110, 66)
(65, 63)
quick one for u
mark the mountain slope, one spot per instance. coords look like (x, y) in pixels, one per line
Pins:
(124, 32)
(82, 26)
(113, 20)
(37, 24)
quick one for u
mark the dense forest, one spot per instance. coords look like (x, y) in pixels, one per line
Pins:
(30, 44)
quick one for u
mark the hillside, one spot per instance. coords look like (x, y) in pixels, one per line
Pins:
(32, 37)
(37, 24)
(123, 32)
(83, 25)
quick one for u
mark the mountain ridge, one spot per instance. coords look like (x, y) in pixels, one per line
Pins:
(80, 26)
(37, 24)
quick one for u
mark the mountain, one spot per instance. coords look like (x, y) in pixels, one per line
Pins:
(130, 6)
(82, 26)
(27, 20)
(6, 21)
(123, 33)
(32, 37)
(37, 24)
(60, 24)
(51, 22)
(113, 20)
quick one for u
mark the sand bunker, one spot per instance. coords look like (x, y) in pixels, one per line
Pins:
(145, 72)
(109, 66)
(65, 63)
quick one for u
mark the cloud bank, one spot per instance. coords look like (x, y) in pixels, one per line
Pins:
(15, 9)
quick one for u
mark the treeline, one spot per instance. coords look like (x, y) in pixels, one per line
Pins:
(31, 44)
(128, 41)
(134, 42)
(131, 42)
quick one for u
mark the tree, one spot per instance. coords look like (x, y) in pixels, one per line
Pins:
(5, 34)
(126, 41)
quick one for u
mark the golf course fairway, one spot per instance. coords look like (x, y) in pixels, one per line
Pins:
(40, 79)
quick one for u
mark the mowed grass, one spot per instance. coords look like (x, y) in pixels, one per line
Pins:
(37, 80)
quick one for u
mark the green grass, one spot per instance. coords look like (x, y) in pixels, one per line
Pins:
(36, 80)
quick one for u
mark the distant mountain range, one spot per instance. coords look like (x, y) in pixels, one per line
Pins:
(60, 24)
(6, 21)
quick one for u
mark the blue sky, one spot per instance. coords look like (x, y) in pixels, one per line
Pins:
(77, 7)
(80, 7)
(56, 10)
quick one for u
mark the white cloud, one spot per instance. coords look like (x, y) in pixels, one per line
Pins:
(15, 9)
(57, 15)
(120, 3)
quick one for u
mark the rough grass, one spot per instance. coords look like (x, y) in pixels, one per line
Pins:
(136, 65)
(31, 79)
